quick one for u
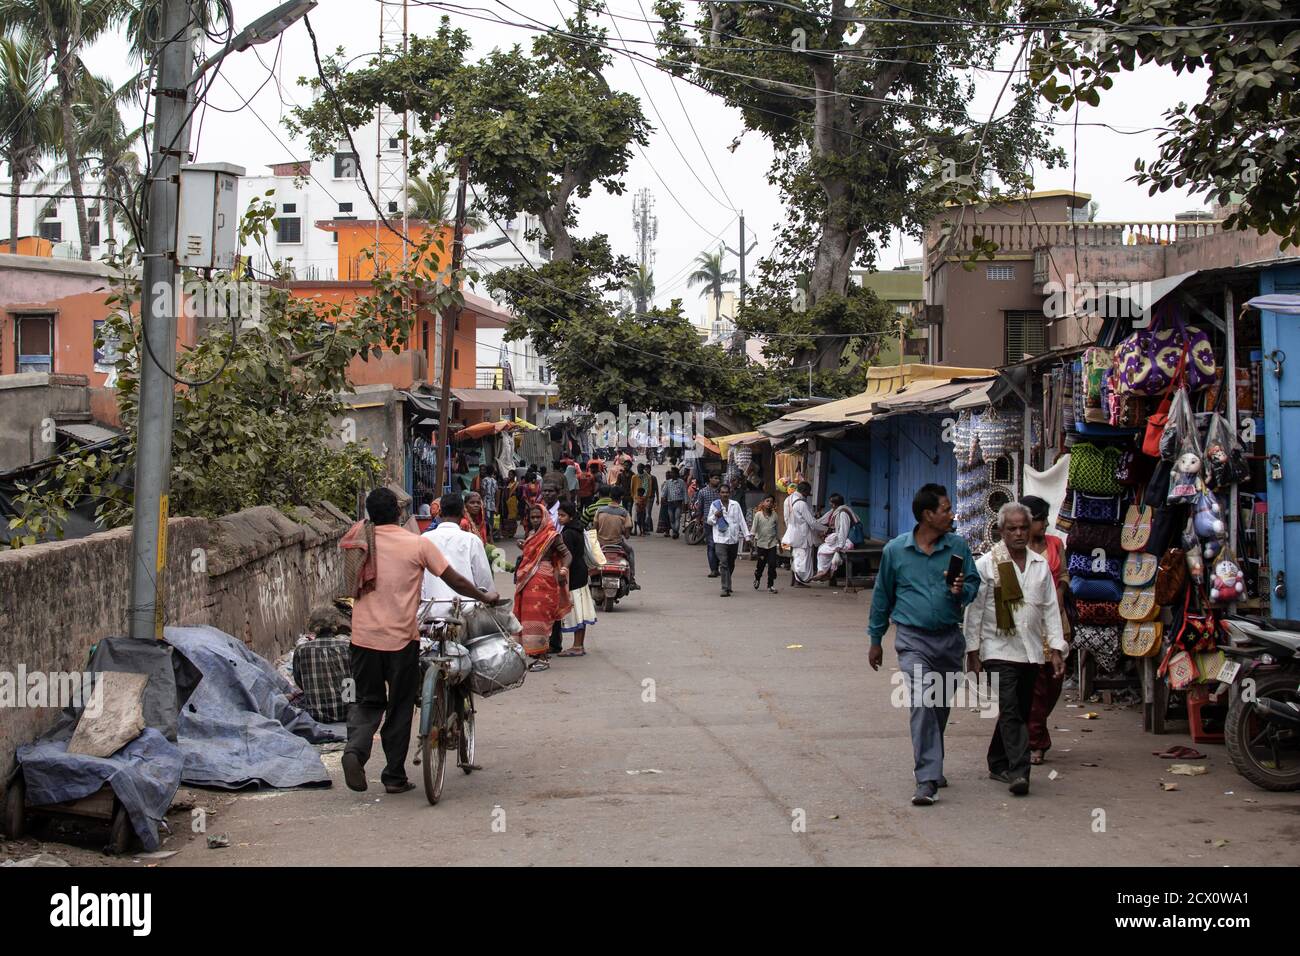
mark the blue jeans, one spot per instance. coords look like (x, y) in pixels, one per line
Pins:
(674, 516)
(712, 552)
(921, 653)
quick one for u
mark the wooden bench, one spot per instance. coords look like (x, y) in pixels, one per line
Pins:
(863, 558)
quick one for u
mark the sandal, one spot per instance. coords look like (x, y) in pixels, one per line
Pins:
(1036, 757)
(539, 666)
(572, 652)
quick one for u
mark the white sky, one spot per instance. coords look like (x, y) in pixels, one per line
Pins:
(1104, 157)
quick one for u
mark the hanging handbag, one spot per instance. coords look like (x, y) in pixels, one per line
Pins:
(1142, 639)
(1098, 613)
(1137, 528)
(1088, 537)
(1093, 468)
(1140, 570)
(1097, 510)
(1139, 604)
(1159, 419)
(1091, 566)
(1096, 590)
(1171, 576)
(1181, 668)
(1145, 361)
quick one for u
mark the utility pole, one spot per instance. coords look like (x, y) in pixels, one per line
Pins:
(646, 226)
(153, 442)
(450, 319)
(740, 254)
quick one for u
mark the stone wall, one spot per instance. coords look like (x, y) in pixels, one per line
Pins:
(255, 574)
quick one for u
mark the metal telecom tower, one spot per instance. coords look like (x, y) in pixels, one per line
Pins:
(646, 226)
(391, 145)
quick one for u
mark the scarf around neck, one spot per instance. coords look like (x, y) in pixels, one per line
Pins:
(1007, 595)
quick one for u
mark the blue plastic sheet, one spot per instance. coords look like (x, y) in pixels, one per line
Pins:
(238, 728)
(144, 775)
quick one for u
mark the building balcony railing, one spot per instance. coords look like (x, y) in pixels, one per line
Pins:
(1028, 237)
(493, 376)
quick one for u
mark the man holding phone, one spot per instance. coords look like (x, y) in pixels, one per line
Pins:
(926, 579)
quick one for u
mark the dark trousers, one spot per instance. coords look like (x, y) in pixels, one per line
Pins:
(1009, 748)
(387, 686)
(767, 558)
(711, 550)
(557, 640)
(727, 554)
(1047, 691)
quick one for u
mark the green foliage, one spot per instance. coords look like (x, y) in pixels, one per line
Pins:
(256, 424)
(538, 129)
(1242, 141)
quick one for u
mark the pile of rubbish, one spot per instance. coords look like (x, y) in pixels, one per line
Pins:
(197, 708)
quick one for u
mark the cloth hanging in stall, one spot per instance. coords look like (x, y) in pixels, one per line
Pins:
(1049, 485)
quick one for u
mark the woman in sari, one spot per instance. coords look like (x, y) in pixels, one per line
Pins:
(475, 519)
(541, 585)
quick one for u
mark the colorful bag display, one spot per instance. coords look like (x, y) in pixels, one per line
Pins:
(1171, 576)
(1088, 537)
(1137, 528)
(1142, 639)
(1140, 569)
(1139, 604)
(1099, 613)
(1147, 361)
(1098, 510)
(1093, 469)
(1088, 566)
(1102, 641)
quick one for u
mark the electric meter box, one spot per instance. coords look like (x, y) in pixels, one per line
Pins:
(207, 216)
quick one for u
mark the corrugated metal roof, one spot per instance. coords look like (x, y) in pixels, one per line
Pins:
(479, 399)
(86, 432)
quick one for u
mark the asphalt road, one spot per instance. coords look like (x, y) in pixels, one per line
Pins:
(745, 738)
(767, 740)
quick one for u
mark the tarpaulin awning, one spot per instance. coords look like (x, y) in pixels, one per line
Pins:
(1277, 302)
(1127, 298)
(486, 399)
(973, 399)
(425, 405)
(525, 425)
(707, 444)
(928, 397)
(724, 442)
(482, 430)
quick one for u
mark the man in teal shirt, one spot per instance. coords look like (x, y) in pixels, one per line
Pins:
(911, 588)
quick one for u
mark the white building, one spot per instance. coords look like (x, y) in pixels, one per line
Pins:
(56, 219)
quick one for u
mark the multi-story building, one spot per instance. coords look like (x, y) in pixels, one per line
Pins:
(902, 288)
(48, 227)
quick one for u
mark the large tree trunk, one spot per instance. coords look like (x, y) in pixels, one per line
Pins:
(71, 150)
(557, 232)
(13, 209)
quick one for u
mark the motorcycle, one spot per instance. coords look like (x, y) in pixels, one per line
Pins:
(1262, 728)
(693, 526)
(610, 581)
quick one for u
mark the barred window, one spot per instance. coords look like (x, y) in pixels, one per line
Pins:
(1000, 273)
(1026, 335)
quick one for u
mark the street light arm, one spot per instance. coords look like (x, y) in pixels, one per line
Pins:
(265, 28)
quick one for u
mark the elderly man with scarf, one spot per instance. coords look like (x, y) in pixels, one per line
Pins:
(803, 533)
(1012, 626)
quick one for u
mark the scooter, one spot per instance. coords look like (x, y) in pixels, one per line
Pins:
(1262, 729)
(610, 581)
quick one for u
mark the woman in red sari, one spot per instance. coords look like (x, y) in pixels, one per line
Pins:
(475, 519)
(541, 585)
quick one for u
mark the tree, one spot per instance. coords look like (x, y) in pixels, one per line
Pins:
(67, 27)
(256, 405)
(641, 286)
(870, 119)
(539, 129)
(1241, 143)
(709, 273)
(27, 113)
(430, 198)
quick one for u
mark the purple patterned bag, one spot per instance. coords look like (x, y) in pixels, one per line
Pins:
(1147, 361)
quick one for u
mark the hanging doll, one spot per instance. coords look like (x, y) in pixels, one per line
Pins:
(1228, 584)
(1207, 520)
(1185, 479)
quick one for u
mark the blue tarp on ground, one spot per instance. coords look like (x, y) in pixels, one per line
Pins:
(144, 775)
(238, 728)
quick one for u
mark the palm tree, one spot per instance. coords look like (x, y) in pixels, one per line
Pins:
(66, 27)
(431, 198)
(709, 273)
(26, 113)
(109, 152)
(642, 286)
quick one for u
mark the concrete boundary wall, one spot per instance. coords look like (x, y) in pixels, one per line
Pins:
(255, 574)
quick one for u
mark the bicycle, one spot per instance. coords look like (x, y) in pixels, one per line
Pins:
(446, 699)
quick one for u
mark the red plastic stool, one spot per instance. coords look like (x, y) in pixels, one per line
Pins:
(1198, 698)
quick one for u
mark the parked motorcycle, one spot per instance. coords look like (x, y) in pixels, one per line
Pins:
(610, 582)
(693, 526)
(1262, 729)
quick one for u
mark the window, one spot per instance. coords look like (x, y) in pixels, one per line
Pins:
(1026, 334)
(52, 231)
(455, 358)
(1000, 273)
(392, 208)
(94, 231)
(288, 229)
(289, 207)
(345, 208)
(34, 337)
(345, 165)
(394, 143)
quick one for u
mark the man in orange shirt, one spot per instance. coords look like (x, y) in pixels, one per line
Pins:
(386, 645)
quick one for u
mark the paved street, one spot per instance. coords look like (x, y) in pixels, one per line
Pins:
(744, 730)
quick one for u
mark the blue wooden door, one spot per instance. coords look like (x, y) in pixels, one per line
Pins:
(922, 458)
(882, 468)
(848, 473)
(1281, 339)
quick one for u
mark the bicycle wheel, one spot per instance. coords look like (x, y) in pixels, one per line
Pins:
(434, 749)
(466, 731)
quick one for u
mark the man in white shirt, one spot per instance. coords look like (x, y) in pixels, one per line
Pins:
(463, 550)
(1011, 627)
(729, 529)
(837, 540)
(802, 534)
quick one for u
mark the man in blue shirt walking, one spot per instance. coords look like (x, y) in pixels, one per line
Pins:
(912, 590)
